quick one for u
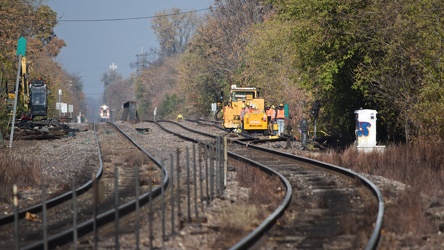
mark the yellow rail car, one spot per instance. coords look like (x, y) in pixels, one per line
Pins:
(254, 120)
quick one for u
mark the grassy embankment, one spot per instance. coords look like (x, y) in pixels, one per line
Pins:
(420, 166)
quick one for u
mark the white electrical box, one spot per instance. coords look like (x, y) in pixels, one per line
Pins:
(366, 130)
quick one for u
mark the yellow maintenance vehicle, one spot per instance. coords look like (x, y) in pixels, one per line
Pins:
(254, 120)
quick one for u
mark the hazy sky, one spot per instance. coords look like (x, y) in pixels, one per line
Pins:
(92, 46)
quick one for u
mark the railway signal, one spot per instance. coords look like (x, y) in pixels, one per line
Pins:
(315, 107)
(21, 46)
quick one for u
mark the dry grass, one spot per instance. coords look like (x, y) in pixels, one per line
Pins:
(419, 166)
(238, 221)
(148, 172)
(24, 171)
(262, 187)
(264, 194)
(136, 158)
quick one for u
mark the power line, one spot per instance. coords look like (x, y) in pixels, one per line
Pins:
(129, 18)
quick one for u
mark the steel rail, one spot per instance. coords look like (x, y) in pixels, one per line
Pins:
(87, 227)
(252, 238)
(376, 234)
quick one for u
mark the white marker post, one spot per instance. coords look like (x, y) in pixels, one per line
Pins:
(155, 111)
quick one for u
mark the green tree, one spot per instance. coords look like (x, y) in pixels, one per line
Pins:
(371, 54)
(430, 32)
(401, 70)
(169, 104)
(325, 54)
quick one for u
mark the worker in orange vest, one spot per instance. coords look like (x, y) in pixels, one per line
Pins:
(280, 119)
(271, 113)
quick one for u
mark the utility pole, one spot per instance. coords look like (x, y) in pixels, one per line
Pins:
(142, 61)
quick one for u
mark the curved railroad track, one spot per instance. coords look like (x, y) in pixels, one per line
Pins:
(58, 212)
(331, 207)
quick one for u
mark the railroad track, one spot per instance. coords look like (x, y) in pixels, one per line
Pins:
(330, 207)
(58, 212)
(321, 206)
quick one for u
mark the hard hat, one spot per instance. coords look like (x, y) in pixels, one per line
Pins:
(281, 105)
(272, 106)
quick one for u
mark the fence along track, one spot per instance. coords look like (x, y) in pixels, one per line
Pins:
(283, 238)
(256, 234)
(87, 226)
(195, 180)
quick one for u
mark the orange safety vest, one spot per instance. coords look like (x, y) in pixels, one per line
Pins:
(280, 114)
(271, 112)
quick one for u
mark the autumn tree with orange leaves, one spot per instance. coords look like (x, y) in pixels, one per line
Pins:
(36, 22)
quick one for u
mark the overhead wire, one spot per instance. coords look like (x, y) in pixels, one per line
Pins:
(130, 18)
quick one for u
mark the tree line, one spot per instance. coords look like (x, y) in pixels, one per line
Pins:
(382, 55)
